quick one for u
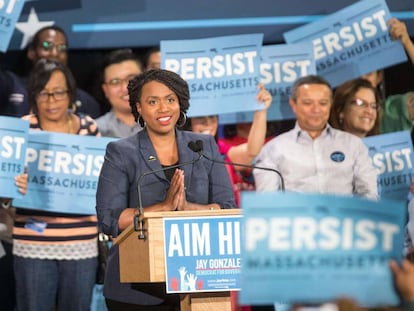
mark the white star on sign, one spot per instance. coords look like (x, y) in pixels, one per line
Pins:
(30, 27)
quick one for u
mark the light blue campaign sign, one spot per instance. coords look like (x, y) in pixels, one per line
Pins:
(13, 141)
(351, 42)
(392, 155)
(9, 14)
(222, 72)
(63, 172)
(310, 248)
(281, 65)
(202, 254)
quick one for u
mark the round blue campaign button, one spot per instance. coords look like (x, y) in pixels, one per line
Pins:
(337, 156)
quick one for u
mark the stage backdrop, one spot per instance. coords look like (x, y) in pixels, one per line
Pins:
(107, 24)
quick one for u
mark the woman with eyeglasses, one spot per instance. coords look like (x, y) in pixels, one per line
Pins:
(51, 42)
(55, 254)
(356, 108)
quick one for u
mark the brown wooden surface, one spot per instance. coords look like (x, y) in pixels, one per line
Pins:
(143, 260)
(211, 301)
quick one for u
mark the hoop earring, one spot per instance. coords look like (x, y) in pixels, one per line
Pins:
(141, 121)
(73, 106)
(184, 119)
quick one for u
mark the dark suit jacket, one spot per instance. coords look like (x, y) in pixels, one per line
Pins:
(128, 159)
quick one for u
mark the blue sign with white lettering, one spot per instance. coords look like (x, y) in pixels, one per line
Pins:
(222, 72)
(63, 172)
(13, 141)
(351, 42)
(202, 253)
(280, 66)
(392, 155)
(311, 248)
(9, 14)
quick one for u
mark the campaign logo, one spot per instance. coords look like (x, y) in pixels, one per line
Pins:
(337, 156)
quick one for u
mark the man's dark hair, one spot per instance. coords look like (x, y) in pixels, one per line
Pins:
(310, 79)
(149, 52)
(119, 56)
(35, 40)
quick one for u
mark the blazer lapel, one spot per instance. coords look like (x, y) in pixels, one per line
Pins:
(149, 156)
(186, 155)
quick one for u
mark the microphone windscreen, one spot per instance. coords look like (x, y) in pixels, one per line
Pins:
(199, 144)
(193, 146)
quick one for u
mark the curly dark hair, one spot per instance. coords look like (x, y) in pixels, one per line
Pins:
(40, 76)
(170, 79)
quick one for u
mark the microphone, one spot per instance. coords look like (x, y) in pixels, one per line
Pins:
(197, 147)
(138, 219)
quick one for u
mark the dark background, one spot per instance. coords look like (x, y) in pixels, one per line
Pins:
(165, 20)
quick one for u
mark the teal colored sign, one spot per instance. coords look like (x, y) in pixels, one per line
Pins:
(13, 142)
(202, 254)
(9, 14)
(63, 172)
(351, 42)
(280, 66)
(392, 154)
(222, 72)
(310, 249)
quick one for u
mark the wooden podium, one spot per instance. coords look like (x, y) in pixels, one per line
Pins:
(143, 260)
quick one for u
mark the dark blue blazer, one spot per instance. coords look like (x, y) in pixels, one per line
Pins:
(128, 159)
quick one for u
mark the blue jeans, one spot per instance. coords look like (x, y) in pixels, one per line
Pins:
(46, 285)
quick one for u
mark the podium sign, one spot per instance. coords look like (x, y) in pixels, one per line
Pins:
(202, 253)
(299, 248)
(144, 260)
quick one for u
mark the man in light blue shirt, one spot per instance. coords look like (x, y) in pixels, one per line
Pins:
(314, 157)
(119, 66)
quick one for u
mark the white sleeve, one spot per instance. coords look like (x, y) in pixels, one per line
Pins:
(266, 181)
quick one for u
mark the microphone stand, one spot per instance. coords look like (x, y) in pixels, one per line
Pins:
(138, 220)
(198, 148)
(282, 182)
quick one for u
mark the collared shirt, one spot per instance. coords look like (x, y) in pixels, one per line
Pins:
(336, 162)
(110, 126)
(62, 236)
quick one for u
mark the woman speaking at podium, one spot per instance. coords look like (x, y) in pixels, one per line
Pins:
(147, 163)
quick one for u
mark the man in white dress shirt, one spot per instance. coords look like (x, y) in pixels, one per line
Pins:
(314, 157)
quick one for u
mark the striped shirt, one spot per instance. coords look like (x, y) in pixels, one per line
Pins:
(47, 235)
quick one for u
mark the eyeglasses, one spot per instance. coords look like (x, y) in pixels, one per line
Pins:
(364, 104)
(119, 81)
(49, 46)
(57, 95)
